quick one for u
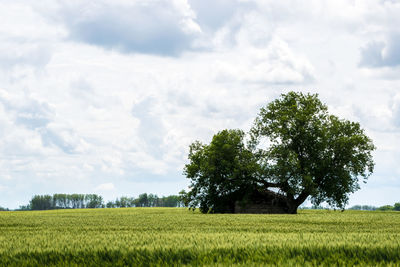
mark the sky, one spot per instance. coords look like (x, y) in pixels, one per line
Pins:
(106, 96)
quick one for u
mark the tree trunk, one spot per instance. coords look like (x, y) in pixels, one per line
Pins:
(292, 207)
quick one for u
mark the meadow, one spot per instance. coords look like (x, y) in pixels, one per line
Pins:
(176, 236)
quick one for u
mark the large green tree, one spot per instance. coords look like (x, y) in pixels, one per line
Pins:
(310, 153)
(297, 150)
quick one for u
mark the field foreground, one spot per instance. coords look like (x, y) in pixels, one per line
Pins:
(175, 236)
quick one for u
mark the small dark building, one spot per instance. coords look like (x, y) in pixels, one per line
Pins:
(262, 202)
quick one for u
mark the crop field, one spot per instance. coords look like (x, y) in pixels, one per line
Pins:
(176, 236)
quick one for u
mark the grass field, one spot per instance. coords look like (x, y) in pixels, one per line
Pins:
(174, 236)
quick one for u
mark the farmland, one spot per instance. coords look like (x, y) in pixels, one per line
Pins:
(176, 236)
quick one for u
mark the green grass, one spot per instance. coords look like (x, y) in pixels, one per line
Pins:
(173, 236)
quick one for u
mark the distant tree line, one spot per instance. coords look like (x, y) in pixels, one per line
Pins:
(64, 201)
(395, 207)
(146, 200)
(93, 201)
(363, 207)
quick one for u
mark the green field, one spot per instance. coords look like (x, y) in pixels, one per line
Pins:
(175, 236)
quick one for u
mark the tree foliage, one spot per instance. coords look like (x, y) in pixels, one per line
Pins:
(146, 200)
(311, 152)
(396, 206)
(296, 149)
(220, 172)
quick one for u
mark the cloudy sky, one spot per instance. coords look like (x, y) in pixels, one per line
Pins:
(105, 96)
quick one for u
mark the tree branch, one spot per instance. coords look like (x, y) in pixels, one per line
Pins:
(302, 197)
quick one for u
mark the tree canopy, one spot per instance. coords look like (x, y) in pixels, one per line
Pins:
(220, 171)
(295, 150)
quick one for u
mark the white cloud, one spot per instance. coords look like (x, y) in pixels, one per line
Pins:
(274, 64)
(105, 187)
(23, 24)
(6, 177)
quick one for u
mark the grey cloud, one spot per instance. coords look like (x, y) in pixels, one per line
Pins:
(37, 116)
(396, 112)
(213, 14)
(154, 28)
(180, 99)
(396, 119)
(381, 54)
(32, 120)
(34, 115)
(31, 113)
(51, 138)
(13, 54)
